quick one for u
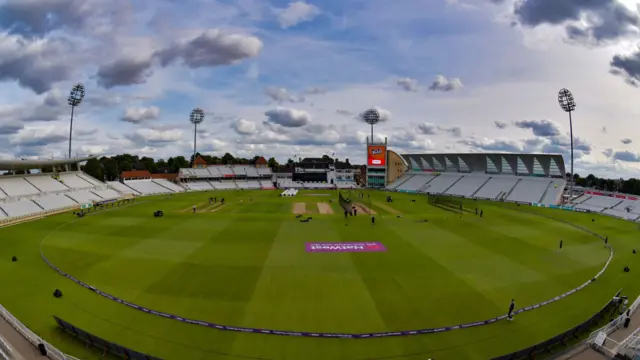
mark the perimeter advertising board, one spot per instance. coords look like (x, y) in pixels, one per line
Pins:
(376, 155)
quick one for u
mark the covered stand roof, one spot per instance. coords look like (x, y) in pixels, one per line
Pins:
(14, 164)
(551, 165)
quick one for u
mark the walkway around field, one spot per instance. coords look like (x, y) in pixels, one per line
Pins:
(584, 351)
(23, 342)
(21, 348)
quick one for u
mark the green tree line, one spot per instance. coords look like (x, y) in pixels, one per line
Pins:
(109, 168)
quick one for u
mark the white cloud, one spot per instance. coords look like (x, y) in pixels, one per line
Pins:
(288, 117)
(244, 127)
(296, 13)
(408, 84)
(441, 83)
(140, 114)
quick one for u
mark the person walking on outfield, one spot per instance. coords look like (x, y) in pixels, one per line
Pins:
(606, 241)
(194, 209)
(560, 248)
(511, 307)
(373, 220)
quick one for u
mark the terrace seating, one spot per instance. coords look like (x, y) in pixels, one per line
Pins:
(169, 185)
(468, 185)
(346, 185)
(17, 186)
(554, 192)
(55, 202)
(224, 171)
(108, 194)
(399, 181)
(147, 187)
(197, 185)
(415, 183)
(264, 171)
(240, 170)
(84, 196)
(440, 184)
(580, 199)
(224, 185)
(91, 180)
(74, 181)
(288, 183)
(121, 188)
(266, 185)
(201, 173)
(495, 186)
(214, 171)
(529, 190)
(251, 172)
(20, 208)
(251, 184)
(588, 208)
(46, 183)
(632, 205)
(602, 201)
(621, 214)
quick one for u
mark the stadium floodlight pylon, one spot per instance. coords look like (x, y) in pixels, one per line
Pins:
(196, 117)
(371, 117)
(75, 99)
(568, 104)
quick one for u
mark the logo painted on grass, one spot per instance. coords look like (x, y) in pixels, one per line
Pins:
(346, 247)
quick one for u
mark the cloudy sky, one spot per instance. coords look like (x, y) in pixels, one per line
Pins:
(279, 78)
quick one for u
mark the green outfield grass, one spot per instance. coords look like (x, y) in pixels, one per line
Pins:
(245, 264)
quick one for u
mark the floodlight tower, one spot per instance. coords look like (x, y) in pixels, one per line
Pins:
(371, 117)
(196, 117)
(568, 104)
(75, 98)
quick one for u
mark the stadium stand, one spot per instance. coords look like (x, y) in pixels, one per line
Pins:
(441, 183)
(121, 188)
(414, 183)
(17, 186)
(84, 196)
(618, 205)
(224, 177)
(468, 185)
(496, 186)
(74, 181)
(169, 185)
(528, 178)
(529, 190)
(147, 187)
(197, 185)
(55, 202)
(108, 194)
(224, 185)
(21, 208)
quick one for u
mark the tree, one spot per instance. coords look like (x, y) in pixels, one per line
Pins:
(272, 163)
(93, 168)
(109, 169)
(290, 161)
(228, 159)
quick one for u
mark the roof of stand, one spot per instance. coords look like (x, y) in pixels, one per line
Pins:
(34, 164)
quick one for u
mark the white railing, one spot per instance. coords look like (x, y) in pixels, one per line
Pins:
(611, 346)
(30, 336)
(5, 350)
(37, 215)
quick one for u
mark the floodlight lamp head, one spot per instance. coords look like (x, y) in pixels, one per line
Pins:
(76, 95)
(197, 116)
(566, 100)
(371, 116)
